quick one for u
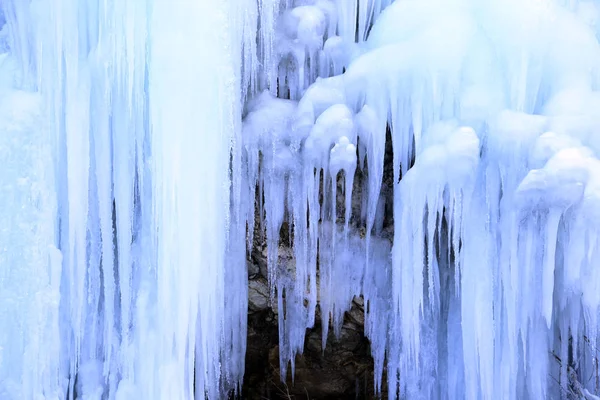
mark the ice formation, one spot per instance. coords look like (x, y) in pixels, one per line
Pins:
(108, 288)
(145, 144)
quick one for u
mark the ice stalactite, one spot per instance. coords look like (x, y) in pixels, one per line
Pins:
(493, 105)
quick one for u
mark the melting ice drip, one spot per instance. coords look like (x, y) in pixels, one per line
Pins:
(130, 186)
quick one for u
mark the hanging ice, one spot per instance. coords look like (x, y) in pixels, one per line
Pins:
(145, 143)
(492, 103)
(113, 269)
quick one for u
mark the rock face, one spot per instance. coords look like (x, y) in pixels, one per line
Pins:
(343, 371)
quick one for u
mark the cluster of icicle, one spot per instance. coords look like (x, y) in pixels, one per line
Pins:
(133, 183)
(117, 119)
(492, 289)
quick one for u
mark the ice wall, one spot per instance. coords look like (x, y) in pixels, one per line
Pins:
(132, 191)
(116, 221)
(30, 264)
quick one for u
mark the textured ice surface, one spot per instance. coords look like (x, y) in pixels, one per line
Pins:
(29, 263)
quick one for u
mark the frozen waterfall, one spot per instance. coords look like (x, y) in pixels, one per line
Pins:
(146, 146)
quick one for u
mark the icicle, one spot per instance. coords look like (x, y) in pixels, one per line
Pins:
(268, 12)
(549, 264)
